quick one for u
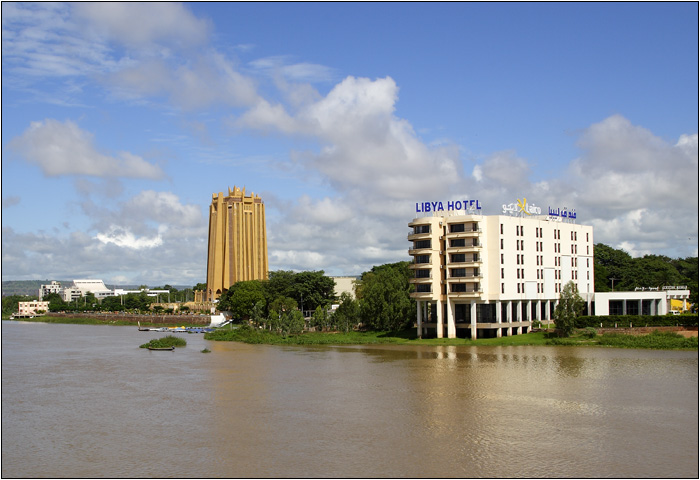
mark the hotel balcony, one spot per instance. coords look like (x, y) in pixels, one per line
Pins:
(473, 292)
(469, 277)
(422, 295)
(463, 234)
(420, 251)
(468, 262)
(466, 248)
(413, 235)
(422, 277)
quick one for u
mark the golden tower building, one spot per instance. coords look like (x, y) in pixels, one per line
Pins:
(237, 241)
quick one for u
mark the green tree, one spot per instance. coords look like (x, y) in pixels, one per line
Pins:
(279, 317)
(569, 307)
(347, 315)
(309, 289)
(257, 314)
(241, 298)
(384, 296)
(321, 318)
(56, 303)
(292, 322)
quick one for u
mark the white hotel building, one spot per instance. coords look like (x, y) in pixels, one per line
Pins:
(479, 276)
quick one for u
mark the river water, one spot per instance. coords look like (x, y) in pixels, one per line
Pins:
(85, 401)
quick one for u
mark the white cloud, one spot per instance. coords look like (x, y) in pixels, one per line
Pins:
(141, 25)
(124, 238)
(635, 188)
(63, 148)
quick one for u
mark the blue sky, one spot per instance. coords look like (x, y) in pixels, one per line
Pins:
(119, 121)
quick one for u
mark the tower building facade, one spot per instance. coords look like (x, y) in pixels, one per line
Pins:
(237, 241)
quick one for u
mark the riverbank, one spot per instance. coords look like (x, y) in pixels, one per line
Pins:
(121, 319)
(663, 338)
(657, 339)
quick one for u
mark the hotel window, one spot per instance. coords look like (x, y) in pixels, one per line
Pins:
(421, 229)
(501, 229)
(459, 287)
(503, 274)
(423, 288)
(457, 243)
(503, 288)
(586, 236)
(422, 259)
(458, 273)
(457, 228)
(458, 258)
(501, 244)
(421, 244)
(423, 273)
(501, 259)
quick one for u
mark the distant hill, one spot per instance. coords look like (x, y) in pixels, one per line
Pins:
(31, 287)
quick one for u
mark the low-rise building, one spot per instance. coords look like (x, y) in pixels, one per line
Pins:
(642, 301)
(32, 308)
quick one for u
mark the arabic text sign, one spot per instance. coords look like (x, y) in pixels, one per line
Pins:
(522, 207)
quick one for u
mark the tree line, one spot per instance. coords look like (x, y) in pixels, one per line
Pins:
(381, 301)
(617, 270)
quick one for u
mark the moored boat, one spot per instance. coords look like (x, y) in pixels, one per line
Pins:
(172, 347)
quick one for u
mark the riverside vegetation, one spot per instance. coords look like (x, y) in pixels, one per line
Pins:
(584, 337)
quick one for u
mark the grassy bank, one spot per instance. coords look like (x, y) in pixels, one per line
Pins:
(655, 340)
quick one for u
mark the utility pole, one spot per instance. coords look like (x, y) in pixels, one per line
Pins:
(613, 282)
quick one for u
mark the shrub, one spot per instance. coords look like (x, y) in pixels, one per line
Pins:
(589, 332)
(164, 342)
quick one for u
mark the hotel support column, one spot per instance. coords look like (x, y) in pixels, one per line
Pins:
(419, 318)
(440, 326)
(473, 319)
(451, 329)
(519, 330)
(509, 318)
(499, 320)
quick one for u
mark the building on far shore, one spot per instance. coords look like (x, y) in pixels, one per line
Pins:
(345, 284)
(32, 308)
(237, 241)
(643, 301)
(491, 276)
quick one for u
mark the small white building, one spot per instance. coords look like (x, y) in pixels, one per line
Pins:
(643, 301)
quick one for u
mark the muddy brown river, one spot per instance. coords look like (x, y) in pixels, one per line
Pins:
(85, 401)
